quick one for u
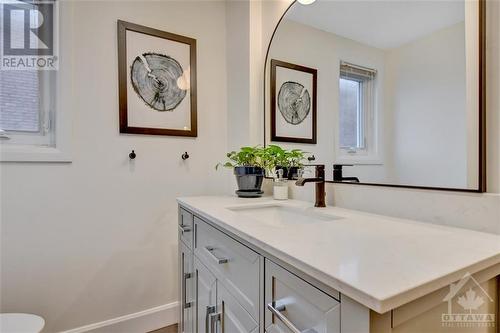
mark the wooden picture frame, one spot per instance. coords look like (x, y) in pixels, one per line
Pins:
(275, 136)
(188, 100)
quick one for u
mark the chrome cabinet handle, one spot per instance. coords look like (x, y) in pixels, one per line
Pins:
(276, 310)
(217, 259)
(187, 304)
(210, 310)
(184, 229)
(214, 317)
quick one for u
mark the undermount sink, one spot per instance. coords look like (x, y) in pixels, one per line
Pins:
(282, 215)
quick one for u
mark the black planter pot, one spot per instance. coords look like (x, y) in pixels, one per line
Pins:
(289, 173)
(249, 181)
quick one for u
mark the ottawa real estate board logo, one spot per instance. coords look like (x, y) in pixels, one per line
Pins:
(29, 35)
(469, 305)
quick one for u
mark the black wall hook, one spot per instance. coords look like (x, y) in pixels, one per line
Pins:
(311, 158)
(185, 156)
(132, 155)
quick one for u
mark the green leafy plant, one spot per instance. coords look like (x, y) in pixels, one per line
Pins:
(246, 156)
(279, 157)
(295, 158)
(276, 156)
(267, 158)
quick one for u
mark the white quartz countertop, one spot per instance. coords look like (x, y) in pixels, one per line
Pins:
(379, 261)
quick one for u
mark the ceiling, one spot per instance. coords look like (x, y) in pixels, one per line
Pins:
(380, 24)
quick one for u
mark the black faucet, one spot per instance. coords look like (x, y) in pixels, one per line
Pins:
(320, 185)
(337, 174)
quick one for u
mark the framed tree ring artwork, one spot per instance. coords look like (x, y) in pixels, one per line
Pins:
(293, 102)
(156, 81)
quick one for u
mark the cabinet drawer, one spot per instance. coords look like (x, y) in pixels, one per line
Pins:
(186, 230)
(234, 265)
(294, 303)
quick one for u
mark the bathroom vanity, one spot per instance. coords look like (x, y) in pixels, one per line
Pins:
(268, 266)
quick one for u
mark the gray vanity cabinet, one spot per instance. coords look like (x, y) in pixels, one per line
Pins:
(227, 287)
(221, 280)
(293, 305)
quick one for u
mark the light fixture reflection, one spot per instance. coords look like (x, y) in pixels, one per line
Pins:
(183, 81)
(306, 2)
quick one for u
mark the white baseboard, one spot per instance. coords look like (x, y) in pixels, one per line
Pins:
(139, 322)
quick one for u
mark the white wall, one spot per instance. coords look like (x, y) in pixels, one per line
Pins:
(474, 211)
(243, 44)
(426, 104)
(97, 238)
(238, 60)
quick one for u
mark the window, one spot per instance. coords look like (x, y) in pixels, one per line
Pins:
(35, 114)
(26, 97)
(351, 114)
(357, 132)
(27, 107)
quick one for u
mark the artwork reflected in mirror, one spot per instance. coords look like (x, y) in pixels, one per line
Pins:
(397, 90)
(293, 105)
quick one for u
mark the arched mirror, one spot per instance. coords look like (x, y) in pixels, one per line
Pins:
(381, 92)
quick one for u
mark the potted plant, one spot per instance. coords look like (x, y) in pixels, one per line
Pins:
(290, 161)
(295, 159)
(249, 164)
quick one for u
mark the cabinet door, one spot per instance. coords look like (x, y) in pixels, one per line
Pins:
(293, 305)
(230, 317)
(206, 287)
(187, 289)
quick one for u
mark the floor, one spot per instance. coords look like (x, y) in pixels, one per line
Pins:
(168, 329)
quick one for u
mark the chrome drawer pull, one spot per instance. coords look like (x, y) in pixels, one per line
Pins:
(187, 304)
(276, 310)
(184, 229)
(214, 317)
(217, 259)
(210, 310)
